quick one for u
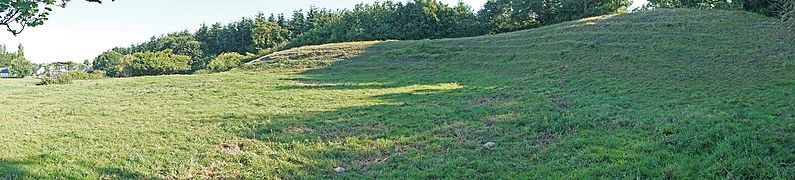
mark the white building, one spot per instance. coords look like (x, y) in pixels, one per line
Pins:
(40, 71)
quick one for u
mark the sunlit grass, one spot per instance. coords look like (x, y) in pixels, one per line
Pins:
(660, 94)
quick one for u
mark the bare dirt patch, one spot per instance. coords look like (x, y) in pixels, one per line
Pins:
(544, 139)
(558, 101)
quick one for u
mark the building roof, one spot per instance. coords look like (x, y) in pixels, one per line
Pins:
(4, 70)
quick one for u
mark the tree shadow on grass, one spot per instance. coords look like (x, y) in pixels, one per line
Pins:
(422, 123)
(15, 169)
(373, 140)
(10, 169)
(119, 173)
(549, 116)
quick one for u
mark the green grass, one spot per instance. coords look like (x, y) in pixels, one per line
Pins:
(658, 94)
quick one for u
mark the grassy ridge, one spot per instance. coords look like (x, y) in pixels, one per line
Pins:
(657, 94)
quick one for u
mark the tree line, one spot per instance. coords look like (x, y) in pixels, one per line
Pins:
(771, 8)
(15, 62)
(188, 52)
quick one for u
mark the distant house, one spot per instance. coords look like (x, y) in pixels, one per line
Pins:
(88, 70)
(59, 68)
(5, 73)
(40, 71)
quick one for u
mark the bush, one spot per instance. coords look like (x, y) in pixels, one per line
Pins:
(99, 73)
(251, 57)
(58, 79)
(226, 61)
(68, 78)
(156, 63)
(110, 62)
(80, 75)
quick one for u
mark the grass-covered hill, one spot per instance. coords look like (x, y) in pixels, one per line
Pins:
(657, 94)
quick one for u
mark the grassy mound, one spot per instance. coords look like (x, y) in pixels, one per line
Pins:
(657, 94)
(311, 56)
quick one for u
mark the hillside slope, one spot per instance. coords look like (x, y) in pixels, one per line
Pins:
(664, 93)
(656, 94)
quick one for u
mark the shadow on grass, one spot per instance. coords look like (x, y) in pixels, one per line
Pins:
(10, 169)
(408, 136)
(415, 127)
(118, 173)
(546, 115)
(15, 169)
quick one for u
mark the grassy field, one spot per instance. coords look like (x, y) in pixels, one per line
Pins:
(658, 94)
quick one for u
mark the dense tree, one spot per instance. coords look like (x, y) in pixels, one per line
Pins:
(180, 43)
(112, 62)
(281, 20)
(201, 47)
(155, 63)
(419, 19)
(297, 25)
(206, 36)
(416, 19)
(510, 15)
(183, 44)
(772, 8)
(268, 34)
(20, 51)
(459, 21)
(495, 17)
(15, 62)
(234, 37)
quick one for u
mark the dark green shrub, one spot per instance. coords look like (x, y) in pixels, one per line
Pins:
(225, 62)
(80, 75)
(110, 62)
(154, 63)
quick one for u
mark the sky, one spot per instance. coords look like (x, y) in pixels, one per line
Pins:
(83, 30)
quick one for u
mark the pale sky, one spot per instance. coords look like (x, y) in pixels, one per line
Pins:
(83, 30)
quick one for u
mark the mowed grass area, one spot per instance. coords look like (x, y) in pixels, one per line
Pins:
(657, 94)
